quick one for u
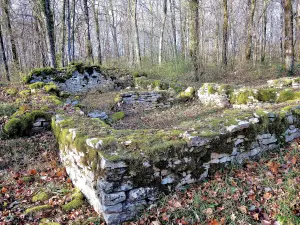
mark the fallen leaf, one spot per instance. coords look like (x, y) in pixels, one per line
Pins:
(4, 190)
(267, 196)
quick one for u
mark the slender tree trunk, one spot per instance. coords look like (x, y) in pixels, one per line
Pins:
(9, 28)
(88, 38)
(63, 34)
(264, 30)
(173, 23)
(96, 16)
(194, 36)
(69, 31)
(73, 30)
(249, 47)
(289, 35)
(298, 30)
(161, 39)
(50, 30)
(136, 35)
(3, 55)
(114, 29)
(225, 33)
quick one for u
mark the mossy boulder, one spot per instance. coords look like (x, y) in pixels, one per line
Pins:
(51, 88)
(267, 95)
(287, 95)
(21, 125)
(41, 196)
(36, 209)
(243, 97)
(39, 72)
(117, 116)
(37, 85)
(189, 93)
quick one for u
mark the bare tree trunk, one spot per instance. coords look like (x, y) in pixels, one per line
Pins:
(73, 30)
(69, 31)
(225, 33)
(9, 28)
(264, 31)
(88, 38)
(136, 35)
(161, 39)
(50, 30)
(114, 30)
(3, 55)
(173, 23)
(96, 16)
(194, 36)
(63, 34)
(298, 30)
(289, 36)
(249, 46)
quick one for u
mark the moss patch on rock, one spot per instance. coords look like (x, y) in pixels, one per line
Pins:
(287, 95)
(242, 97)
(117, 116)
(77, 201)
(36, 209)
(267, 95)
(21, 125)
(37, 85)
(41, 196)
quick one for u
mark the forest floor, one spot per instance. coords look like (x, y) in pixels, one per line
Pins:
(264, 192)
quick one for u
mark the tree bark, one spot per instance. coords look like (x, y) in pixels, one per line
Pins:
(9, 28)
(50, 30)
(63, 34)
(173, 23)
(194, 36)
(136, 35)
(225, 33)
(289, 36)
(3, 55)
(88, 37)
(249, 47)
(73, 29)
(96, 17)
(264, 30)
(161, 39)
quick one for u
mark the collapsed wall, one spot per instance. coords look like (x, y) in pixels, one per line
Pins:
(122, 171)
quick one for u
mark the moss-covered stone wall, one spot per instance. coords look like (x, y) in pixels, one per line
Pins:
(122, 171)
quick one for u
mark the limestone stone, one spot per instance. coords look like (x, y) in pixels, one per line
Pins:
(112, 199)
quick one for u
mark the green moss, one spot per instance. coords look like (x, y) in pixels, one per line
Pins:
(267, 95)
(36, 209)
(208, 133)
(41, 196)
(11, 91)
(225, 89)
(39, 72)
(48, 222)
(51, 88)
(242, 97)
(74, 204)
(25, 93)
(117, 116)
(211, 90)
(14, 127)
(118, 98)
(22, 125)
(28, 179)
(287, 95)
(37, 85)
